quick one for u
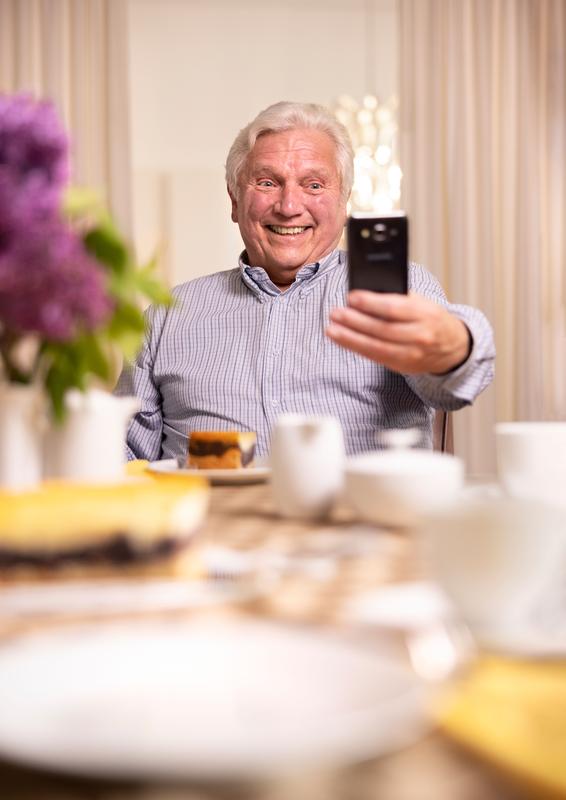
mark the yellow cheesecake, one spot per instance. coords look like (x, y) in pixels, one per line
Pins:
(221, 449)
(138, 527)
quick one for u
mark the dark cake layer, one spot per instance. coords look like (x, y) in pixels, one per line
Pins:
(200, 449)
(117, 550)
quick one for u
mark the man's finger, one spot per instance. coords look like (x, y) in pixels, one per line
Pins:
(393, 307)
(393, 356)
(384, 330)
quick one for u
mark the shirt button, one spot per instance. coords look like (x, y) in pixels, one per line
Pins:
(275, 403)
(276, 352)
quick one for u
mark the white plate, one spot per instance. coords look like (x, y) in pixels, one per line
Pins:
(218, 699)
(400, 605)
(257, 474)
(125, 597)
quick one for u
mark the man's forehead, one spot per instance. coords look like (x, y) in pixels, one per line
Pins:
(309, 141)
(307, 144)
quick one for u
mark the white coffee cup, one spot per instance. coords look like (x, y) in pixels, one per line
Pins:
(495, 557)
(531, 459)
(307, 463)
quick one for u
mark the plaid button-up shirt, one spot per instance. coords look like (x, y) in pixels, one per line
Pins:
(234, 352)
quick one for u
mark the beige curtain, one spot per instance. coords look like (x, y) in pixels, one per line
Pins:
(75, 52)
(483, 150)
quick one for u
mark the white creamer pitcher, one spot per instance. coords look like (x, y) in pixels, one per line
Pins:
(90, 444)
(307, 462)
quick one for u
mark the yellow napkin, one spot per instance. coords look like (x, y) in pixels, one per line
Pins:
(514, 714)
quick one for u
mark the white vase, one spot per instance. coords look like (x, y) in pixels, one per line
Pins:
(22, 418)
(90, 444)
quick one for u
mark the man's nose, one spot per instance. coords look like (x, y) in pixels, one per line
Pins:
(290, 201)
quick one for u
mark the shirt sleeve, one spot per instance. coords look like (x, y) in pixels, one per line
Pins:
(461, 386)
(144, 434)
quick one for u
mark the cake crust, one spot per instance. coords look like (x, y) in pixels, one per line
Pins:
(221, 449)
(142, 528)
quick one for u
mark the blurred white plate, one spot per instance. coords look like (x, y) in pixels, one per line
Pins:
(125, 597)
(399, 605)
(218, 699)
(256, 474)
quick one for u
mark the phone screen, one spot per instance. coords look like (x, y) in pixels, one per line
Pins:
(378, 253)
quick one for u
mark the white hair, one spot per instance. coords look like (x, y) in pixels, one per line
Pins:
(285, 116)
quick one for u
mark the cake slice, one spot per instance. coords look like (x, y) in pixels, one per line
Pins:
(143, 527)
(221, 449)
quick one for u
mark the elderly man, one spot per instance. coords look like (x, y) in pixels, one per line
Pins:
(280, 332)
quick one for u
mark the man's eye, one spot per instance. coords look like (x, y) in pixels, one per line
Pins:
(315, 185)
(266, 182)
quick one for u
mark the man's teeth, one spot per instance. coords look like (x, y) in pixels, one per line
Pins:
(286, 231)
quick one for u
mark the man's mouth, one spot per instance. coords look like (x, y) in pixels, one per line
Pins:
(288, 231)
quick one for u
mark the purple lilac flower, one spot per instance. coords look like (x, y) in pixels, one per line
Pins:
(17, 214)
(34, 150)
(50, 285)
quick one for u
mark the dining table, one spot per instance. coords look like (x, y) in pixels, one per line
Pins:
(242, 518)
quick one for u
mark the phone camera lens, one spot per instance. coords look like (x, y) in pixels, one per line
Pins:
(380, 232)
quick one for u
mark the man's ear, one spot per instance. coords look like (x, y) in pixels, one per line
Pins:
(234, 206)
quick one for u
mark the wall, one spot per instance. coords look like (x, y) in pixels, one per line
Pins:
(201, 70)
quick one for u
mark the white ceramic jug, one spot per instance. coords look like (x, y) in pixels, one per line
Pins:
(90, 445)
(307, 462)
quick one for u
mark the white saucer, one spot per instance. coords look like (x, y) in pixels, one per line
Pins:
(416, 605)
(256, 474)
(219, 699)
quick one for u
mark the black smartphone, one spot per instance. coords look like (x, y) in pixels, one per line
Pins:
(378, 251)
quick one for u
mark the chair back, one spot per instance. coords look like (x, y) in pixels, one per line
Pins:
(443, 432)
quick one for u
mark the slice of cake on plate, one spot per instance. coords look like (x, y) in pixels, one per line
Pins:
(221, 449)
(141, 527)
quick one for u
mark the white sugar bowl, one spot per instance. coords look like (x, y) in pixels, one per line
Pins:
(397, 487)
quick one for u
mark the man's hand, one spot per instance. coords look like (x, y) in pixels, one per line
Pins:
(406, 333)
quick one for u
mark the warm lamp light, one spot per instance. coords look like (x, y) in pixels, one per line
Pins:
(373, 129)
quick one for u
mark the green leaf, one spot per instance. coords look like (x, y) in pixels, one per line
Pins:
(126, 317)
(92, 355)
(106, 246)
(80, 202)
(129, 344)
(152, 288)
(94, 358)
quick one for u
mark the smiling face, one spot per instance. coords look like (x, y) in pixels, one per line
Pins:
(289, 205)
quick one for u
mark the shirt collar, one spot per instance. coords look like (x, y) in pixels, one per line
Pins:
(257, 279)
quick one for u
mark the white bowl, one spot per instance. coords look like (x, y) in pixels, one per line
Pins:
(396, 487)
